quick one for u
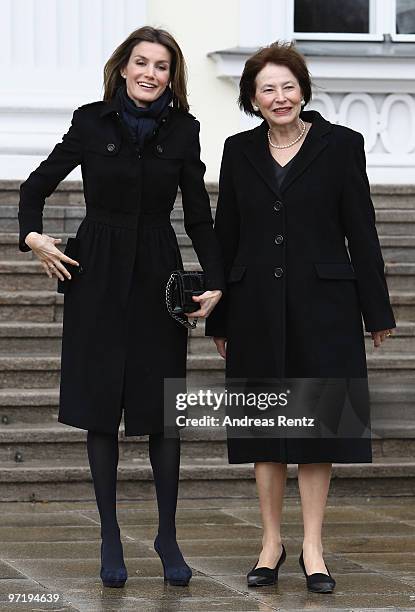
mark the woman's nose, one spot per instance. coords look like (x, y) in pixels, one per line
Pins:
(149, 72)
(279, 96)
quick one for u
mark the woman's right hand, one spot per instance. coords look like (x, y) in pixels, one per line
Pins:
(49, 255)
(221, 346)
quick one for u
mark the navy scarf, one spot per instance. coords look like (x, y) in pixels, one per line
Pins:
(141, 120)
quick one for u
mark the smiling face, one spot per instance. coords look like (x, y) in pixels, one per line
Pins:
(278, 95)
(147, 73)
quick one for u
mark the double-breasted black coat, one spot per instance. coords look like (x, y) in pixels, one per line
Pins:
(119, 342)
(295, 292)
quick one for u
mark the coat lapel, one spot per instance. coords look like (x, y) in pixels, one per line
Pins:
(256, 150)
(258, 153)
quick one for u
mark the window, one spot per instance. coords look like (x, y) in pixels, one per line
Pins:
(405, 17)
(347, 16)
(352, 19)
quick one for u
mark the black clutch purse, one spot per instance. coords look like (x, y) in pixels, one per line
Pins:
(180, 289)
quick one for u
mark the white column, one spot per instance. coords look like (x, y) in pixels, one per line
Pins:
(52, 54)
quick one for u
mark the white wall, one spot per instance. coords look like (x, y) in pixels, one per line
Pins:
(201, 28)
(52, 54)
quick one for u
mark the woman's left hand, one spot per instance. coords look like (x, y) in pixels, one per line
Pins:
(207, 301)
(379, 336)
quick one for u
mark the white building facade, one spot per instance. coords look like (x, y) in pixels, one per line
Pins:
(361, 55)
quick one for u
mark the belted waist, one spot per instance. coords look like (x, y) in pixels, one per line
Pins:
(112, 217)
(127, 220)
(148, 219)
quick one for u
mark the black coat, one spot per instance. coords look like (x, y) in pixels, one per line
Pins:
(295, 297)
(119, 341)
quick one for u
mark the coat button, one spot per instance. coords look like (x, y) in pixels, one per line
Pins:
(110, 147)
(279, 239)
(277, 206)
(278, 272)
(159, 149)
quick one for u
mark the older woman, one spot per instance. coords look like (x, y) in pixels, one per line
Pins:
(291, 191)
(119, 343)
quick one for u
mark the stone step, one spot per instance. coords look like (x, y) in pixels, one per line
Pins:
(402, 341)
(399, 248)
(395, 221)
(403, 304)
(400, 276)
(47, 306)
(45, 339)
(41, 371)
(70, 193)
(35, 406)
(36, 306)
(395, 249)
(68, 480)
(64, 212)
(30, 338)
(25, 443)
(30, 276)
(393, 196)
(393, 403)
(28, 406)
(66, 220)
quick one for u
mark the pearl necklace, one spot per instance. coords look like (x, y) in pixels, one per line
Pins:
(303, 128)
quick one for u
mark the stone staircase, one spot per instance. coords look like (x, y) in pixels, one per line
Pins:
(44, 460)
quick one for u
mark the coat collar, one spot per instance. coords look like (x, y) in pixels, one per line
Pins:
(165, 120)
(257, 151)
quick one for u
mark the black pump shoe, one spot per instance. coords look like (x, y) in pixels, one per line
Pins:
(264, 576)
(318, 583)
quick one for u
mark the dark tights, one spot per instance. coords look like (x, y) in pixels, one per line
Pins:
(165, 460)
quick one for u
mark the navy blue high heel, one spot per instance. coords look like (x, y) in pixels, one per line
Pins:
(115, 578)
(176, 576)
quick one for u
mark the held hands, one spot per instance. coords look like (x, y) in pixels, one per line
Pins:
(379, 336)
(49, 255)
(207, 301)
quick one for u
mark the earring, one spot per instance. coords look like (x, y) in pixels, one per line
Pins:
(255, 107)
(302, 102)
(124, 76)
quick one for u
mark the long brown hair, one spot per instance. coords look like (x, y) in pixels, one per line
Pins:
(121, 55)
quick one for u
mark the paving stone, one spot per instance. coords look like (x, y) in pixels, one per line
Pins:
(386, 543)
(49, 534)
(332, 514)
(155, 588)
(185, 516)
(8, 572)
(401, 562)
(198, 532)
(240, 565)
(47, 519)
(356, 583)
(12, 551)
(22, 589)
(350, 602)
(227, 548)
(40, 569)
